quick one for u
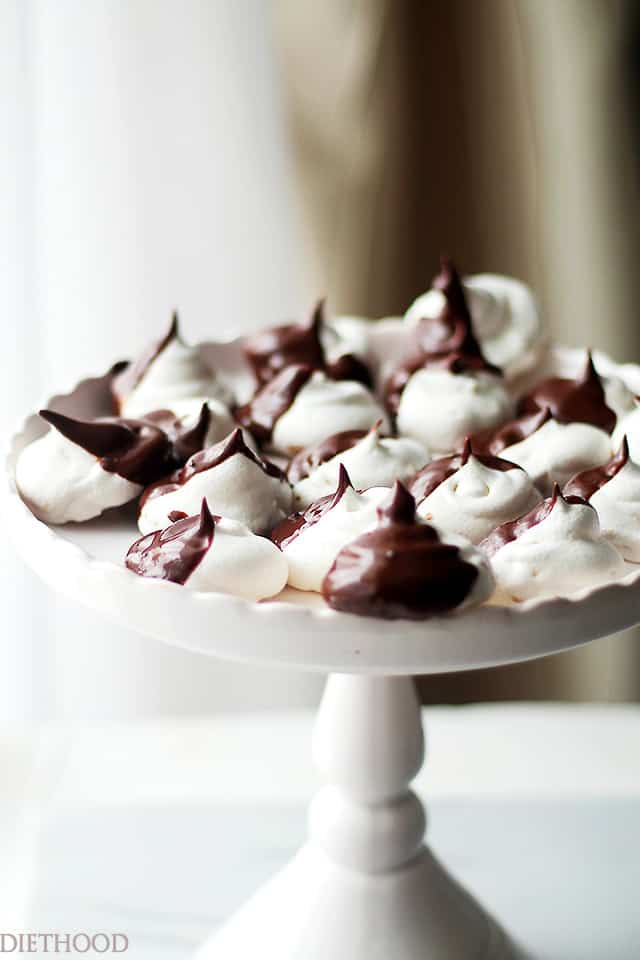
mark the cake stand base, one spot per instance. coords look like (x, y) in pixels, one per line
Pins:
(365, 887)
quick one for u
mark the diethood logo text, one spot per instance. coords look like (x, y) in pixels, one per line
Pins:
(83, 943)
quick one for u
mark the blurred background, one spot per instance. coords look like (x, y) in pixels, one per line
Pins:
(238, 159)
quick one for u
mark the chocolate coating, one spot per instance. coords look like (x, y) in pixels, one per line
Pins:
(208, 459)
(510, 531)
(261, 414)
(433, 474)
(288, 529)
(496, 439)
(127, 375)
(446, 341)
(308, 460)
(270, 351)
(399, 570)
(588, 482)
(185, 441)
(175, 552)
(137, 450)
(581, 400)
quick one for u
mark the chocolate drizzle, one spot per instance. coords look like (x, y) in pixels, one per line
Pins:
(496, 439)
(288, 529)
(137, 450)
(270, 351)
(510, 531)
(446, 341)
(401, 569)
(207, 459)
(588, 482)
(175, 552)
(127, 375)
(581, 400)
(308, 460)
(433, 474)
(261, 414)
(185, 441)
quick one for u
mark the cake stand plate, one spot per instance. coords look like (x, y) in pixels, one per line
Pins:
(364, 887)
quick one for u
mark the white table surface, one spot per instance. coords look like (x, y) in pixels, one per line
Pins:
(160, 830)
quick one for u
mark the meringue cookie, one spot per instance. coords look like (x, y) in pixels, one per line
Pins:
(554, 550)
(614, 491)
(220, 423)
(505, 317)
(440, 408)
(237, 484)
(311, 540)
(581, 399)
(402, 570)
(370, 459)
(80, 468)
(301, 406)
(557, 451)
(629, 426)
(212, 555)
(168, 372)
(471, 494)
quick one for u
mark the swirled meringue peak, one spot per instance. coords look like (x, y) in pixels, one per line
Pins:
(236, 482)
(80, 468)
(614, 491)
(553, 550)
(573, 401)
(302, 406)
(210, 554)
(370, 459)
(336, 348)
(310, 540)
(470, 494)
(402, 569)
(166, 373)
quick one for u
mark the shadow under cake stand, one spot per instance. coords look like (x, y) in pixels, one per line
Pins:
(364, 886)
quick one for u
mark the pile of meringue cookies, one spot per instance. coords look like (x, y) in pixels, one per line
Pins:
(403, 484)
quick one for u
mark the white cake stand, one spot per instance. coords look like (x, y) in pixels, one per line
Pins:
(364, 887)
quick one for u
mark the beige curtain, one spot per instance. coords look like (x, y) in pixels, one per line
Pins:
(502, 132)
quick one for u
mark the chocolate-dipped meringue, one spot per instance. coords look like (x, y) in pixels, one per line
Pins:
(238, 485)
(445, 389)
(553, 550)
(370, 459)
(613, 489)
(315, 343)
(505, 317)
(80, 468)
(573, 401)
(310, 540)
(402, 569)
(211, 554)
(302, 406)
(471, 493)
(167, 372)
(548, 450)
(629, 426)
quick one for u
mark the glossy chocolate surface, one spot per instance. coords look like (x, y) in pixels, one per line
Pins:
(262, 413)
(288, 529)
(510, 531)
(496, 439)
(446, 341)
(127, 375)
(185, 441)
(433, 474)
(270, 351)
(175, 552)
(137, 450)
(308, 460)
(399, 570)
(580, 400)
(588, 482)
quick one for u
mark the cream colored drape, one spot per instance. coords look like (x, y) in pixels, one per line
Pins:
(502, 132)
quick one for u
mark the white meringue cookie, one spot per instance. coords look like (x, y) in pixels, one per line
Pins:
(63, 483)
(617, 504)
(440, 408)
(477, 498)
(629, 426)
(373, 461)
(312, 551)
(237, 488)
(322, 407)
(563, 553)
(345, 335)
(617, 396)
(232, 559)
(557, 451)
(505, 316)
